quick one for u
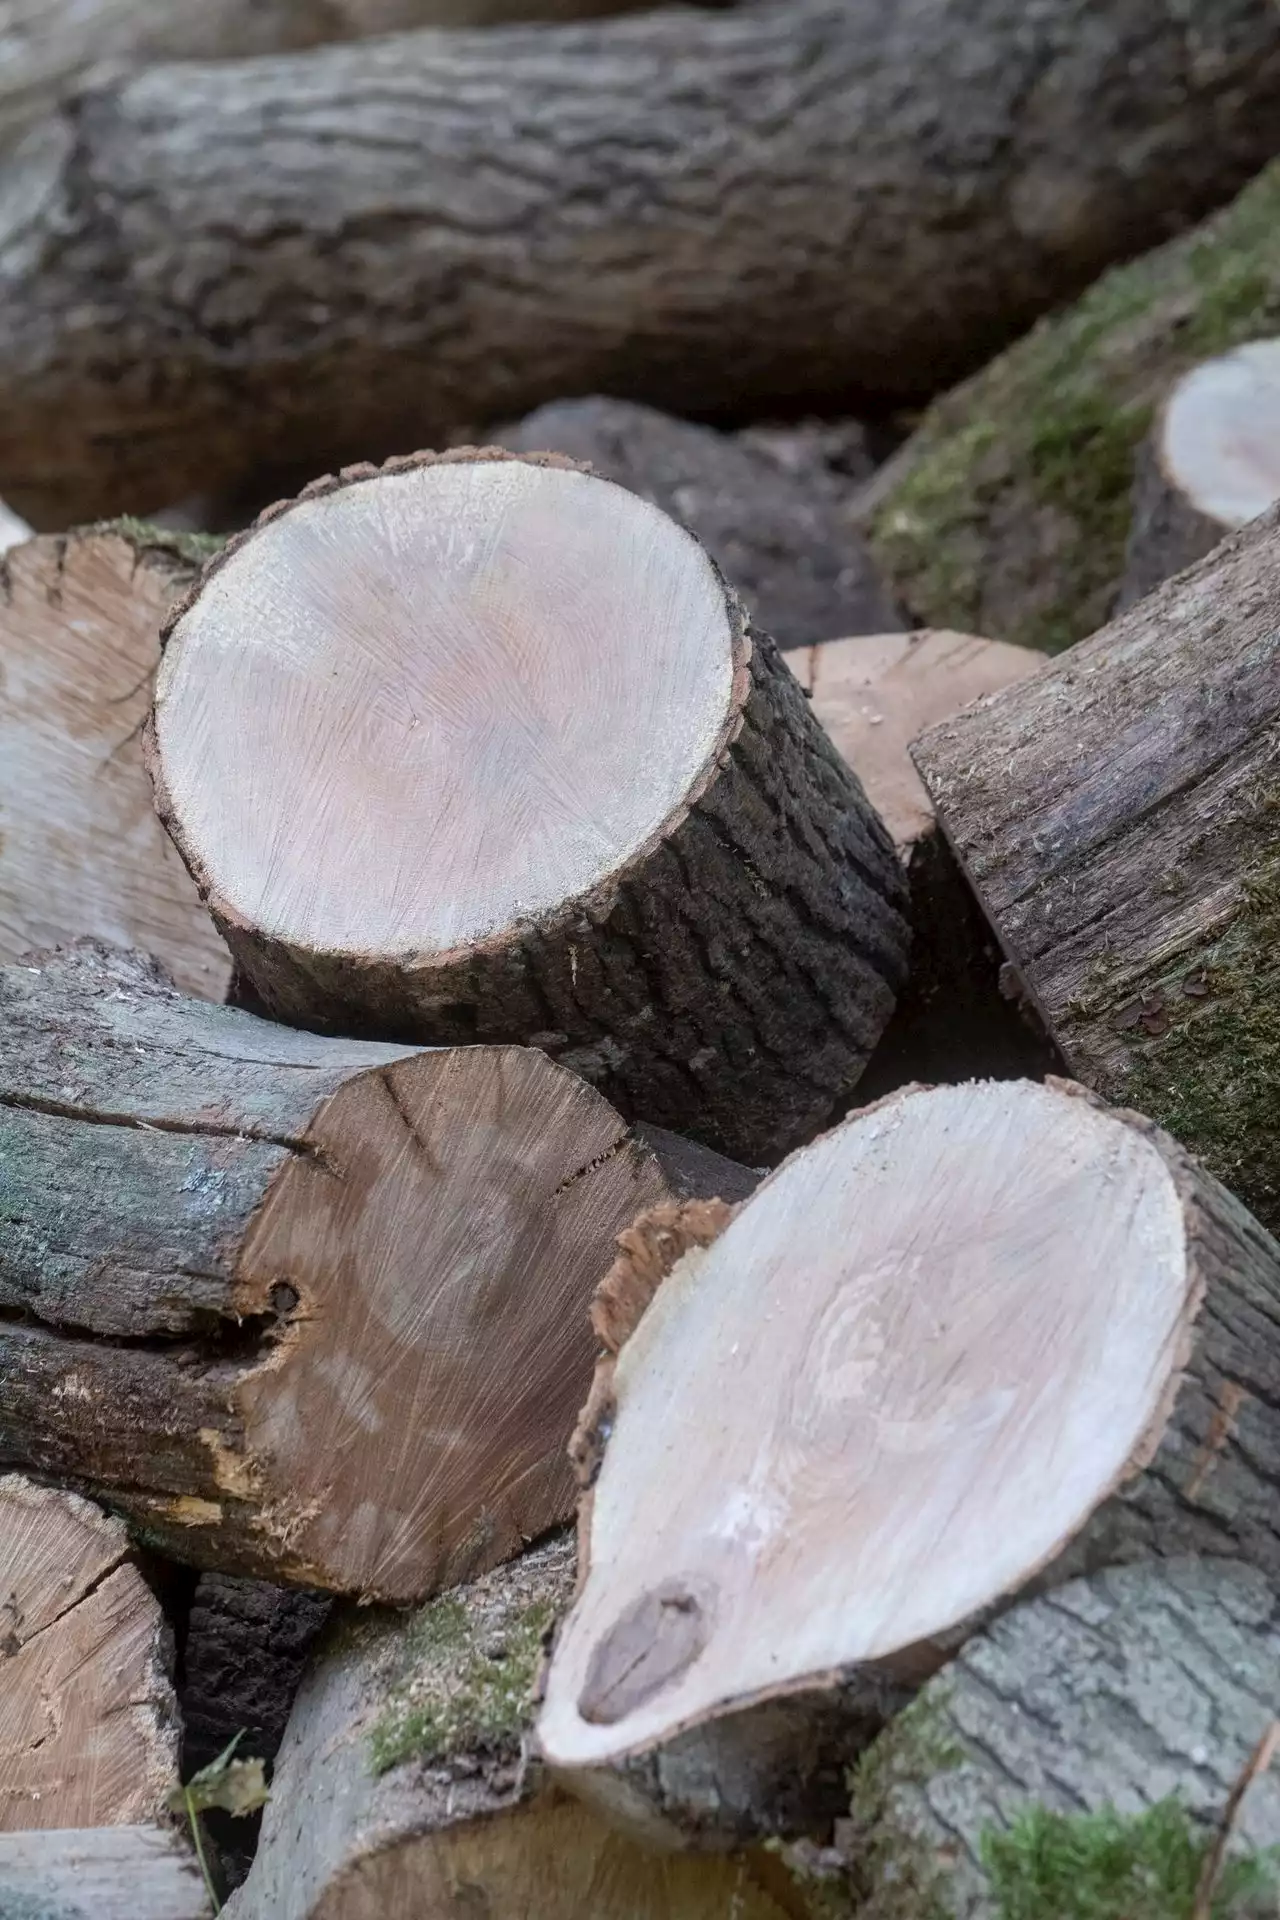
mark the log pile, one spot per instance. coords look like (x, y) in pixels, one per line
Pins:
(568, 958)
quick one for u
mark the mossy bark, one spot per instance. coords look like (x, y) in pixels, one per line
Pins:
(1008, 512)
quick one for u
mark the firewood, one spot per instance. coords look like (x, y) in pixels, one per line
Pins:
(306, 1309)
(1109, 1697)
(779, 534)
(403, 1785)
(81, 851)
(972, 1334)
(481, 748)
(1117, 817)
(338, 254)
(1212, 464)
(1010, 510)
(100, 1873)
(13, 531)
(88, 1730)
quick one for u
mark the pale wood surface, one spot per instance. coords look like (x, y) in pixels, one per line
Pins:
(100, 1873)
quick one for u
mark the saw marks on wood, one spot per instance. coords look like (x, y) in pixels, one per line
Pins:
(88, 1725)
(407, 715)
(81, 849)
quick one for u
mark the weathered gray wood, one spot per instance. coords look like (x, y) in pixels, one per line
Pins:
(335, 254)
(1166, 533)
(307, 1309)
(100, 1873)
(1113, 1692)
(403, 1784)
(1119, 819)
(779, 535)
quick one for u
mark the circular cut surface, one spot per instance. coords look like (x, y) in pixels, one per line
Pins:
(907, 1371)
(412, 711)
(1220, 443)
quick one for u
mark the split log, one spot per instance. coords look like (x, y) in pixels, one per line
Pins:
(81, 851)
(972, 1334)
(403, 1784)
(1114, 1694)
(89, 1727)
(332, 255)
(1010, 510)
(778, 532)
(481, 748)
(1212, 464)
(1118, 819)
(100, 1873)
(305, 1309)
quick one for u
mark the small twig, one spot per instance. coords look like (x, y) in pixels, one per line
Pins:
(1258, 1762)
(194, 1817)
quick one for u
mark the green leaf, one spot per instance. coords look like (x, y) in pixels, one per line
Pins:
(236, 1786)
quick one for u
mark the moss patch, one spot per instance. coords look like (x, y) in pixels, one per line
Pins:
(192, 549)
(1012, 510)
(459, 1688)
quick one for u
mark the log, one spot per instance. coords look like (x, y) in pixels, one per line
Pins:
(1117, 818)
(778, 532)
(1010, 509)
(89, 1732)
(306, 1310)
(975, 1337)
(13, 531)
(481, 748)
(100, 1873)
(81, 851)
(338, 254)
(402, 1786)
(1111, 1695)
(1211, 464)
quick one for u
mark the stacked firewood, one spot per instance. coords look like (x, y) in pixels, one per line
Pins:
(638, 1145)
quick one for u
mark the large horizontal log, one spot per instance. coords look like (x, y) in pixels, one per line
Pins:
(100, 1873)
(339, 254)
(1009, 511)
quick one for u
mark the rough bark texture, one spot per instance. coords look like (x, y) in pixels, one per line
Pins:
(100, 1873)
(729, 981)
(89, 1731)
(81, 851)
(1009, 511)
(1166, 532)
(1119, 819)
(234, 1260)
(1117, 1691)
(404, 1783)
(334, 255)
(1200, 1481)
(779, 535)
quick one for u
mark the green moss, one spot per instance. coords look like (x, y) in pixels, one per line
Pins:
(192, 549)
(1100, 1866)
(1012, 511)
(457, 1690)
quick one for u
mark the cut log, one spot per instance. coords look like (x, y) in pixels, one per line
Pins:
(89, 1727)
(100, 1873)
(778, 533)
(1112, 1695)
(1010, 510)
(338, 254)
(81, 851)
(403, 1784)
(973, 1334)
(306, 1309)
(1118, 818)
(481, 748)
(1211, 465)
(12, 530)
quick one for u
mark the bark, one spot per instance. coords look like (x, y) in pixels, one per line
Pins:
(1010, 510)
(780, 535)
(89, 1736)
(336, 254)
(83, 853)
(1009, 1336)
(656, 865)
(403, 1783)
(1166, 533)
(1117, 818)
(100, 1873)
(1115, 1692)
(304, 1309)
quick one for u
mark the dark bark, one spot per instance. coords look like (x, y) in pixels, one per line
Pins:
(1166, 533)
